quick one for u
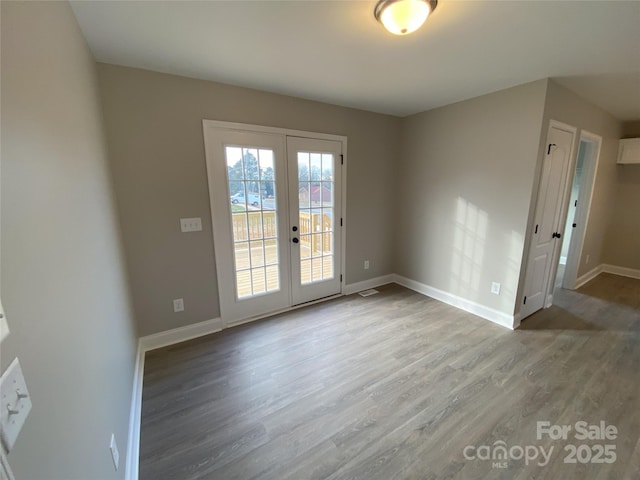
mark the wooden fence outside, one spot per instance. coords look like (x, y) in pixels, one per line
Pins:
(257, 225)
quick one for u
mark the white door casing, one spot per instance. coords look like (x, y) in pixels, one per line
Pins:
(545, 240)
(583, 209)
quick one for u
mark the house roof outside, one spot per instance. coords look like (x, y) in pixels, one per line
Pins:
(316, 194)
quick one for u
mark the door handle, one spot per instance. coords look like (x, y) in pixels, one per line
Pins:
(295, 240)
(294, 228)
(556, 235)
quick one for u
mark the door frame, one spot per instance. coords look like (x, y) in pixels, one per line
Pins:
(576, 244)
(251, 128)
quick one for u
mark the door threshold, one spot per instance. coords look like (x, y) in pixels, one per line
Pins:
(243, 321)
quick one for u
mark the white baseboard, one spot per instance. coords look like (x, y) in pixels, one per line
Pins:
(133, 445)
(367, 284)
(181, 334)
(517, 319)
(622, 271)
(495, 316)
(587, 277)
(151, 342)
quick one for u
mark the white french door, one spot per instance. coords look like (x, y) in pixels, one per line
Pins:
(315, 212)
(276, 207)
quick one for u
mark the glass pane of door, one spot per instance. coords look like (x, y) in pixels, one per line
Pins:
(315, 215)
(252, 202)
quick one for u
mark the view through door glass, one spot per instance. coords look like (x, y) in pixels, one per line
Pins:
(316, 207)
(252, 190)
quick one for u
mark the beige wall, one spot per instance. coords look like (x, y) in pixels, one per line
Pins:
(63, 282)
(154, 127)
(465, 186)
(565, 106)
(622, 242)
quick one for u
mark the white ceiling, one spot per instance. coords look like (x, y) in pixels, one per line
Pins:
(336, 52)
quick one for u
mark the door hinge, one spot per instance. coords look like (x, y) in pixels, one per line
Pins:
(340, 221)
(340, 278)
(525, 299)
(576, 203)
(536, 229)
(549, 148)
(341, 159)
(574, 225)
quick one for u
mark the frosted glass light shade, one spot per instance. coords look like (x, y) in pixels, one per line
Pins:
(402, 17)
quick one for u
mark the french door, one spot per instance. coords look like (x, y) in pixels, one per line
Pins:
(276, 206)
(314, 209)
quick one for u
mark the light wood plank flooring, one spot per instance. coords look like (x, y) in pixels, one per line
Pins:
(395, 386)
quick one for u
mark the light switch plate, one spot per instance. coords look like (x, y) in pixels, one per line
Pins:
(191, 224)
(15, 403)
(495, 288)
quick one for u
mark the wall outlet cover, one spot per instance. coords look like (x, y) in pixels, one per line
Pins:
(178, 305)
(495, 288)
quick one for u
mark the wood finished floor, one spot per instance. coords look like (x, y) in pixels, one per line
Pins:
(394, 386)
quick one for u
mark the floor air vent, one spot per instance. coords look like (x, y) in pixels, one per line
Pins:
(367, 293)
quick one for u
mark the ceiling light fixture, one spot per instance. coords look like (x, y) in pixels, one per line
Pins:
(401, 17)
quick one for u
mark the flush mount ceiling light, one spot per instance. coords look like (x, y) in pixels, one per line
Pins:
(402, 17)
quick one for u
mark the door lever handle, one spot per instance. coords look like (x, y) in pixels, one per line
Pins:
(295, 240)
(556, 235)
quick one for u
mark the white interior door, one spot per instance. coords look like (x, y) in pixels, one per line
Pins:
(546, 235)
(247, 186)
(315, 204)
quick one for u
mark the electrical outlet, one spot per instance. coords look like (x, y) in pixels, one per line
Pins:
(191, 224)
(115, 454)
(178, 305)
(366, 264)
(495, 288)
